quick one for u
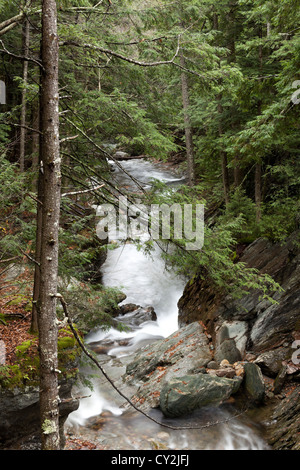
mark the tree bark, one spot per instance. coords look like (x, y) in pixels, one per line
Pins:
(50, 155)
(26, 39)
(258, 166)
(224, 162)
(187, 125)
(258, 197)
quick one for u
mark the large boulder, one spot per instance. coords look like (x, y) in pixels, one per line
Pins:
(254, 382)
(182, 395)
(20, 416)
(185, 352)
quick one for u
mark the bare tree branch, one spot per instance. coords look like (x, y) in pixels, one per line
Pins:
(8, 28)
(134, 61)
(66, 139)
(73, 193)
(122, 57)
(19, 57)
(12, 20)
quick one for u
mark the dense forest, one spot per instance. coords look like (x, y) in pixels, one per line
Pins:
(209, 87)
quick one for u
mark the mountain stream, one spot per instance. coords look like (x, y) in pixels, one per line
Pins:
(100, 417)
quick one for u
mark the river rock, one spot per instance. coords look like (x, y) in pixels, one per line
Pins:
(182, 353)
(280, 380)
(119, 155)
(254, 382)
(228, 372)
(182, 395)
(228, 350)
(270, 362)
(236, 330)
(134, 317)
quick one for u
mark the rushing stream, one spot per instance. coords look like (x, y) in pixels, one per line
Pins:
(146, 282)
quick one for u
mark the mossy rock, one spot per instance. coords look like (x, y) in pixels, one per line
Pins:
(26, 371)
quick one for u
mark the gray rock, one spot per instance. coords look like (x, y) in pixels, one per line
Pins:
(270, 362)
(254, 382)
(228, 350)
(20, 416)
(183, 353)
(182, 395)
(212, 365)
(119, 155)
(236, 330)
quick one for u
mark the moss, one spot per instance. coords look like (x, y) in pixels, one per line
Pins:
(24, 347)
(65, 342)
(26, 369)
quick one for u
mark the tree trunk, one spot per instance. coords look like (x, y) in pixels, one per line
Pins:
(258, 167)
(50, 154)
(38, 245)
(224, 162)
(24, 93)
(35, 144)
(258, 197)
(223, 155)
(187, 125)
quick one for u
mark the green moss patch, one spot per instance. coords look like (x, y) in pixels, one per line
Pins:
(25, 370)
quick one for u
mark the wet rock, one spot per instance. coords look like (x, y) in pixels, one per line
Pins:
(182, 353)
(270, 362)
(128, 308)
(236, 330)
(228, 350)
(103, 347)
(253, 382)
(119, 155)
(182, 395)
(135, 315)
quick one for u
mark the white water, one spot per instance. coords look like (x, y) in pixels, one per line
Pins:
(146, 282)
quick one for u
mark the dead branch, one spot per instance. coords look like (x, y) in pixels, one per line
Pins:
(73, 193)
(137, 62)
(11, 21)
(19, 57)
(66, 139)
(120, 56)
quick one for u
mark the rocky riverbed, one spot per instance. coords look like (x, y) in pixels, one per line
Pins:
(229, 353)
